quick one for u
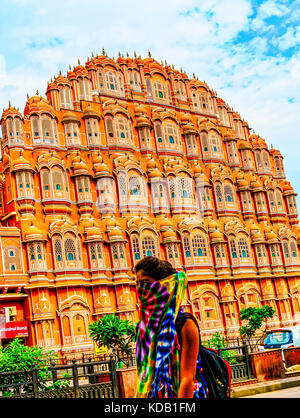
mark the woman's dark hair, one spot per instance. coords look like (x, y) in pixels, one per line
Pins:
(154, 267)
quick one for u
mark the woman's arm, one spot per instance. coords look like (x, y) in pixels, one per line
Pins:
(189, 354)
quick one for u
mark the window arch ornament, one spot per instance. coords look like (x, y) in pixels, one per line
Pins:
(167, 133)
(195, 242)
(74, 314)
(211, 142)
(143, 238)
(118, 126)
(225, 192)
(239, 244)
(12, 127)
(133, 193)
(206, 308)
(66, 245)
(181, 192)
(54, 178)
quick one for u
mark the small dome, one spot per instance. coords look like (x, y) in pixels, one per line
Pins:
(38, 104)
(70, 117)
(33, 233)
(89, 112)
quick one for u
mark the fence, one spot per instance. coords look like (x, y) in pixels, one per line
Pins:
(89, 379)
(239, 360)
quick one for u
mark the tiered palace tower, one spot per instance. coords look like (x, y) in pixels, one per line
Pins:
(127, 158)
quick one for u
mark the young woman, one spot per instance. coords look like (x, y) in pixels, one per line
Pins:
(167, 340)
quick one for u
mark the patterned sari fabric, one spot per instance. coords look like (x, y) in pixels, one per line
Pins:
(157, 346)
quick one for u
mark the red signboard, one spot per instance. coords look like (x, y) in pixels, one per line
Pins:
(14, 329)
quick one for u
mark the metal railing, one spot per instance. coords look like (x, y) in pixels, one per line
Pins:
(239, 360)
(90, 379)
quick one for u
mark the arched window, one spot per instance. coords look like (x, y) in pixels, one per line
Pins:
(134, 186)
(66, 98)
(219, 194)
(160, 91)
(114, 83)
(172, 136)
(84, 89)
(72, 133)
(159, 134)
(58, 250)
(148, 246)
(134, 80)
(228, 193)
(47, 129)
(35, 127)
(123, 130)
(266, 160)
(243, 248)
(107, 196)
(136, 248)
(70, 251)
(92, 131)
(199, 246)
(294, 251)
(12, 130)
(233, 250)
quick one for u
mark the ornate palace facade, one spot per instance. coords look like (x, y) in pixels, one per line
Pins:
(127, 158)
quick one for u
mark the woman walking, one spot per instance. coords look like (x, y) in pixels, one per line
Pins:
(167, 346)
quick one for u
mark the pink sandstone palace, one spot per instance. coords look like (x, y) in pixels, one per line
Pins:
(127, 158)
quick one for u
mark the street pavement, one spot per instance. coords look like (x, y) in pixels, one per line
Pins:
(293, 392)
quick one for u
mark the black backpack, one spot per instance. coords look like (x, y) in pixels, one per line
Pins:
(215, 370)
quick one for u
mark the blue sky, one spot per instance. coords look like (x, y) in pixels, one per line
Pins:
(247, 50)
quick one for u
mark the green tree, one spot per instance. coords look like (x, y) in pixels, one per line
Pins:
(217, 342)
(256, 325)
(19, 358)
(117, 334)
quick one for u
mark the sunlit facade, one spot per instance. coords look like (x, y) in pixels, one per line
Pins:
(127, 158)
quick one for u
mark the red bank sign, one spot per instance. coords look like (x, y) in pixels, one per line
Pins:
(14, 329)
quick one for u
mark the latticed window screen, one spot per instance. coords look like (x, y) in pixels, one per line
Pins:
(243, 248)
(185, 188)
(199, 246)
(160, 90)
(35, 127)
(186, 246)
(271, 198)
(228, 193)
(47, 128)
(99, 251)
(293, 249)
(286, 249)
(171, 134)
(172, 188)
(148, 246)
(258, 158)
(70, 251)
(136, 248)
(158, 132)
(122, 185)
(31, 252)
(134, 186)
(57, 180)
(109, 127)
(219, 194)
(122, 129)
(93, 251)
(233, 248)
(58, 250)
(266, 160)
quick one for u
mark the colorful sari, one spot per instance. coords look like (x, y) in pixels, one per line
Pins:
(157, 345)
